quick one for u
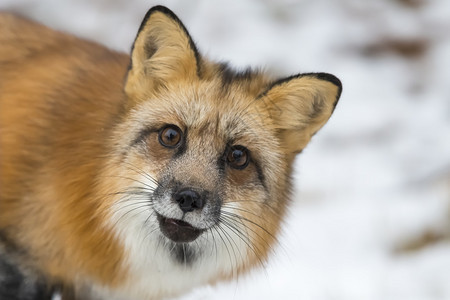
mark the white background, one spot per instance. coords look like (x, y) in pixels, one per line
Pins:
(370, 217)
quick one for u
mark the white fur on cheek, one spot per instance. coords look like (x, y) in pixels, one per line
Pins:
(153, 270)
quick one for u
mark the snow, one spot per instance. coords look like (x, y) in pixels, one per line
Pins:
(376, 179)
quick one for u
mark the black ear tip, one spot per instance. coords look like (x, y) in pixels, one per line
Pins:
(161, 9)
(334, 80)
(330, 78)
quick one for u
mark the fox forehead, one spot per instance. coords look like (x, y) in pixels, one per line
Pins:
(206, 110)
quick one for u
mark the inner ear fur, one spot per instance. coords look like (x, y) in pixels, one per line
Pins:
(300, 105)
(163, 50)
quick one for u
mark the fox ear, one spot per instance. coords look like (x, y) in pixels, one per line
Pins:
(300, 105)
(162, 50)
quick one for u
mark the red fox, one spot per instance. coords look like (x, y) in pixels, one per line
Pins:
(141, 176)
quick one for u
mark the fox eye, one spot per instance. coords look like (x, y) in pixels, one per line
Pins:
(170, 136)
(238, 157)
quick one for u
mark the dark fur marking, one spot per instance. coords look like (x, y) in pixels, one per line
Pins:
(333, 79)
(221, 166)
(184, 254)
(322, 76)
(181, 252)
(229, 75)
(143, 134)
(9, 245)
(170, 14)
(260, 173)
(150, 48)
(15, 285)
(317, 107)
(222, 161)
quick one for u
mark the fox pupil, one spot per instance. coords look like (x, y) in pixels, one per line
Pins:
(170, 135)
(238, 157)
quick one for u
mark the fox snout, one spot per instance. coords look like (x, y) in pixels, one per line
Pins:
(184, 210)
(185, 199)
(184, 221)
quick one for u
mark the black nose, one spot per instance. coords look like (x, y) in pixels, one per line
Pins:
(189, 200)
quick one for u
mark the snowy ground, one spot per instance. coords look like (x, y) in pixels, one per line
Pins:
(371, 212)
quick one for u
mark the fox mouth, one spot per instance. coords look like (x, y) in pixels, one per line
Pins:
(177, 230)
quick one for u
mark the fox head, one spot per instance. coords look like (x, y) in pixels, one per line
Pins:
(203, 157)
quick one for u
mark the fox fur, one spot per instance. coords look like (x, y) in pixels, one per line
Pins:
(96, 146)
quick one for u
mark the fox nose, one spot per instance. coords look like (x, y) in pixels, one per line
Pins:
(189, 200)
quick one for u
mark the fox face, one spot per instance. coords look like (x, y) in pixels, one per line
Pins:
(185, 183)
(203, 182)
(206, 154)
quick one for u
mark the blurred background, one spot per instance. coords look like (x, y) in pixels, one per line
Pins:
(370, 217)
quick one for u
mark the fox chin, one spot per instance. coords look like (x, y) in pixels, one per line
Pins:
(141, 176)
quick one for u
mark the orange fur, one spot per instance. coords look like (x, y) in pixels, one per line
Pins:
(50, 124)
